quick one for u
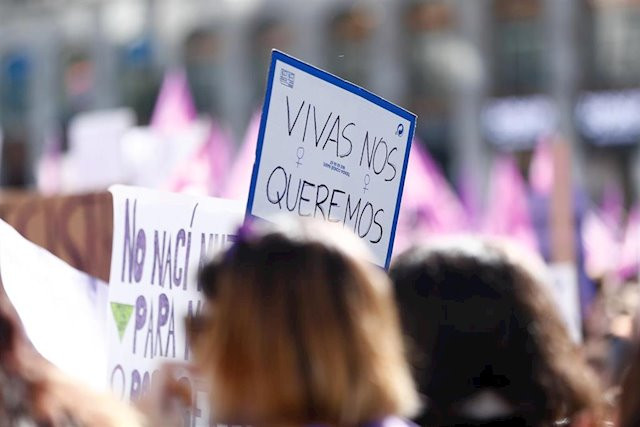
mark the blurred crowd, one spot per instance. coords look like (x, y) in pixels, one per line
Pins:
(299, 329)
(483, 77)
(526, 144)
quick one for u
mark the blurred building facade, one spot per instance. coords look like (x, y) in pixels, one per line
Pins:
(483, 76)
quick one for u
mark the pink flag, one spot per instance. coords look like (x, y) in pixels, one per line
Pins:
(429, 205)
(541, 169)
(508, 211)
(174, 109)
(601, 247)
(630, 250)
(240, 175)
(612, 207)
(471, 199)
(206, 171)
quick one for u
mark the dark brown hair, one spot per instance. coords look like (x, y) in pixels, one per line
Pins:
(479, 318)
(629, 406)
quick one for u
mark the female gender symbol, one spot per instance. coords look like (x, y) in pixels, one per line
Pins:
(300, 155)
(367, 180)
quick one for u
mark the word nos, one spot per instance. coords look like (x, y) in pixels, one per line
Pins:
(171, 252)
(315, 199)
(378, 153)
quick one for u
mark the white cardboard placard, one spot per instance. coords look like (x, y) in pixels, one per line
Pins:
(329, 149)
(159, 242)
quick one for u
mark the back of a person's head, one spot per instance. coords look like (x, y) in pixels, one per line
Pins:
(301, 329)
(629, 402)
(485, 337)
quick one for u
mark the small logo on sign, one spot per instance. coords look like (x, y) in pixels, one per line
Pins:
(400, 129)
(287, 78)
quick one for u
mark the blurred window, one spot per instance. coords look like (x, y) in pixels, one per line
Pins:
(615, 41)
(350, 32)
(204, 69)
(78, 79)
(432, 50)
(517, 46)
(269, 31)
(15, 79)
(15, 85)
(139, 78)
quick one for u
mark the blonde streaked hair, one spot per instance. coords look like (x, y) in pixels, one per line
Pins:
(300, 328)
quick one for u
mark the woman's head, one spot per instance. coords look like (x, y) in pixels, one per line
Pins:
(480, 320)
(300, 328)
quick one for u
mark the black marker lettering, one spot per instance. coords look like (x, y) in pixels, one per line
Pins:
(331, 204)
(289, 125)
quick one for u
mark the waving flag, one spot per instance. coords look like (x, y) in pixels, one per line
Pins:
(429, 205)
(240, 176)
(630, 250)
(612, 207)
(541, 169)
(601, 247)
(206, 171)
(508, 205)
(174, 109)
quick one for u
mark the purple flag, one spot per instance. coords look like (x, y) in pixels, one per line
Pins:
(429, 205)
(612, 207)
(174, 109)
(507, 211)
(630, 250)
(240, 176)
(601, 247)
(206, 171)
(541, 169)
(471, 199)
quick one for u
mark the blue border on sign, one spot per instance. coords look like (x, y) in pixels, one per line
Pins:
(277, 55)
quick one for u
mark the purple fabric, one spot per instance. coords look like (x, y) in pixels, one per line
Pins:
(386, 422)
(540, 205)
(174, 108)
(508, 212)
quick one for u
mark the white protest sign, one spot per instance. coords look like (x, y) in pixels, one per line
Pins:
(150, 157)
(159, 242)
(62, 309)
(329, 149)
(94, 160)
